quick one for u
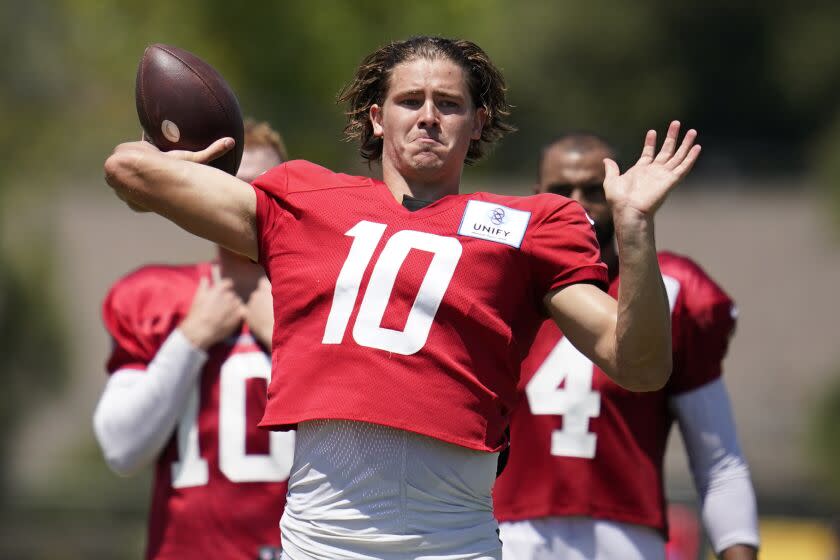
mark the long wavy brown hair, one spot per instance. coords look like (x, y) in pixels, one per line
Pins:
(370, 86)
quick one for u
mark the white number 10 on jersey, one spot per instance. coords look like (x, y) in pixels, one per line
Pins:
(191, 469)
(368, 330)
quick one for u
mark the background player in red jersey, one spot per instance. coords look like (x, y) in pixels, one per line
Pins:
(584, 477)
(398, 334)
(189, 369)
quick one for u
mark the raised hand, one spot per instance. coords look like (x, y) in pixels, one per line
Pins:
(643, 188)
(216, 312)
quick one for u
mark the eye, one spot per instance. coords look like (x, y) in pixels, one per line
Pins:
(411, 102)
(562, 190)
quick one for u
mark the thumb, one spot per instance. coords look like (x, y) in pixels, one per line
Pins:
(216, 149)
(611, 170)
(208, 154)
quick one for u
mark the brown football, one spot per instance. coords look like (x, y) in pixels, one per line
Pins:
(184, 104)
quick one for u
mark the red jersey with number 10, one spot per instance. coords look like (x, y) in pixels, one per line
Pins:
(220, 482)
(413, 320)
(583, 446)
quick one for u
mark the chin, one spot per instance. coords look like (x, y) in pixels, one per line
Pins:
(427, 160)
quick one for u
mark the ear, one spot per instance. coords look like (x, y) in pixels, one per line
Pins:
(479, 120)
(375, 115)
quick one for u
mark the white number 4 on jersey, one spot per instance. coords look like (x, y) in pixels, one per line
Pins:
(575, 401)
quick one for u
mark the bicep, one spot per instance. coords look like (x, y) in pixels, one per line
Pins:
(214, 205)
(587, 317)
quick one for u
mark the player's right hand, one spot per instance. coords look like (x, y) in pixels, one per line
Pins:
(208, 154)
(217, 149)
(216, 312)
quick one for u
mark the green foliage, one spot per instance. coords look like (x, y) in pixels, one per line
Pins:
(757, 82)
(32, 344)
(824, 440)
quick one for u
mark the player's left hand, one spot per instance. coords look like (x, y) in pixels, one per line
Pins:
(643, 188)
(259, 312)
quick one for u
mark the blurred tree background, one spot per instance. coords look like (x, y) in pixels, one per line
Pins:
(760, 81)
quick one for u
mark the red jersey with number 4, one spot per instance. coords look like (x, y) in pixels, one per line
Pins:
(413, 320)
(583, 446)
(220, 482)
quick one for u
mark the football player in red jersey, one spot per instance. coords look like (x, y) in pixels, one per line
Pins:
(187, 387)
(584, 475)
(402, 307)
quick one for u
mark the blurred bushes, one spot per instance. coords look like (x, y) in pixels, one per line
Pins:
(824, 441)
(32, 345)
(758, 80)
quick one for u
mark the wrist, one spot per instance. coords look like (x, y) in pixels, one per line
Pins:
(197, 334)
(627, 217)
(739, 552)
(634, 232)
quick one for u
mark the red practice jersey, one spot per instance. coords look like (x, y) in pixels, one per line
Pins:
(220, 482)
(583, 446)
(413, 320)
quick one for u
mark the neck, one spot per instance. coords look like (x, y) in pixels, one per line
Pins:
(430, 189)
(244, 273)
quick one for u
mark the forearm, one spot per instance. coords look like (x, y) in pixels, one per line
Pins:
(201, 199)
(721, 474)
(138, 411)
(643, 325)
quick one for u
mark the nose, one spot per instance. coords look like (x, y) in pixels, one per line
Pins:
(428, 114)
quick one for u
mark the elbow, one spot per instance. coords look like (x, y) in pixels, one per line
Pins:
(645, 377)
(119, 457)
(122, 464)
(119, 168)
(124, 173)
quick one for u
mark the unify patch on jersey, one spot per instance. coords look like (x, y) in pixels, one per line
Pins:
(493, 222)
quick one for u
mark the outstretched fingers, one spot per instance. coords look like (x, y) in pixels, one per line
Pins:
(670, 143)
(685, 147)
(649, 148)
(685, 166)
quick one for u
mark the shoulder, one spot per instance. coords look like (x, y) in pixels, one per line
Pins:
(300, 176)
(152, 286)
(697, 290)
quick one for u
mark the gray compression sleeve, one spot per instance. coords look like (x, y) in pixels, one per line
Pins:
(138, 410)
(721, 474)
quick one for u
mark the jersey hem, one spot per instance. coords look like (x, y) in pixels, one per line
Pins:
(285, 424)
(616, 516)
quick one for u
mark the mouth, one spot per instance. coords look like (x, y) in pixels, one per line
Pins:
(426, 140)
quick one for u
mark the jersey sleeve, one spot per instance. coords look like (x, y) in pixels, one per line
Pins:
(706, 318)
(563, 250)
(138, 316)
(272, 189)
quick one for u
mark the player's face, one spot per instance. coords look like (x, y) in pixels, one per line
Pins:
(579, 175)
(427, 119)
(256, 161)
